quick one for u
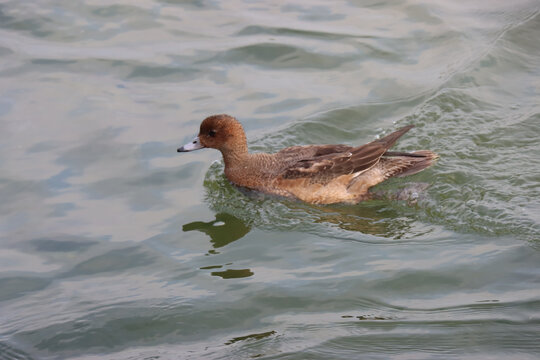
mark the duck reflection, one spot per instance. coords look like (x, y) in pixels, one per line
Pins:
(233, 273)
(376, 217)
(222, 231)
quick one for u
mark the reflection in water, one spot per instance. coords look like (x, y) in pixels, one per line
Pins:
(224, 230)
(373, 218)
(376, 217)
(211, 267)
(366, 317)
(233, 274)
(251, 337)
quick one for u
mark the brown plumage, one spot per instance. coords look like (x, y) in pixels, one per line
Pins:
(321, 174)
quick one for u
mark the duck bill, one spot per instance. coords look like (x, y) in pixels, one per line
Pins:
(195, 144)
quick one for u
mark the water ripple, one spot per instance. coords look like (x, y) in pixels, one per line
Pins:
(113, 246)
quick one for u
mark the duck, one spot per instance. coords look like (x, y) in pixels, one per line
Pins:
(317, 174)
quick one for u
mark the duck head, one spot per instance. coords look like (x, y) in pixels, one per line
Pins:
(221, 132)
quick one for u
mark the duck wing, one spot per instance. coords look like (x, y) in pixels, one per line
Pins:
(330, 161)
(298, 153)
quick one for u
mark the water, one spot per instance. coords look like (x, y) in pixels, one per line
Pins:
(113, 246)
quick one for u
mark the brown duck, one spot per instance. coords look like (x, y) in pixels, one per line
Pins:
(319, 174)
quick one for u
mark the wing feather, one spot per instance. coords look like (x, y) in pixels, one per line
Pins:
(327, 162)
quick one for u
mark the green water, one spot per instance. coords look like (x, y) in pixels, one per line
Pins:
(113, 246)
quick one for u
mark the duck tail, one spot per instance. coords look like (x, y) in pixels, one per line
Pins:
(405, 164)
(390, 139)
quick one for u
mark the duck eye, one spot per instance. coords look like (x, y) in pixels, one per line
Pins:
(212, 133)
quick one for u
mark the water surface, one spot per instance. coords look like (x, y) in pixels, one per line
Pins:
(113, 246)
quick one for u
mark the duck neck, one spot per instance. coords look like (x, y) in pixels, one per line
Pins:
(235, 156)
